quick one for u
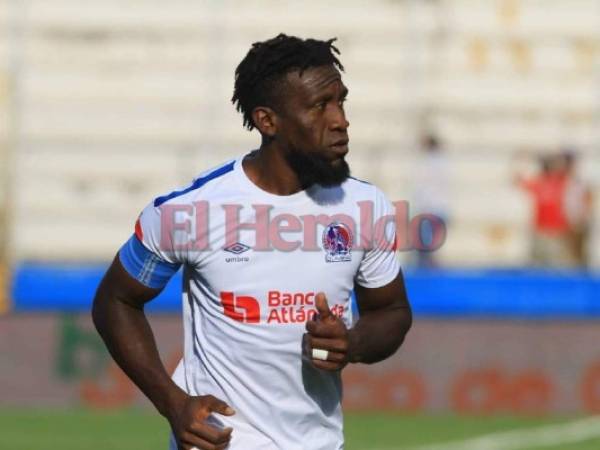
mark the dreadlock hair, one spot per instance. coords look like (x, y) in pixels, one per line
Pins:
(258, 77)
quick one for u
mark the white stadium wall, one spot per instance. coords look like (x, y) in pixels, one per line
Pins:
(112, 106)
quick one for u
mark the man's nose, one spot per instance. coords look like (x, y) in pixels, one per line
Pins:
(339, 121)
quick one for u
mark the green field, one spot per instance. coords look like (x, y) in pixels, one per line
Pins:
(78, 430)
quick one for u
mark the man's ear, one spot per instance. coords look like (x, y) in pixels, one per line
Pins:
(265, 120)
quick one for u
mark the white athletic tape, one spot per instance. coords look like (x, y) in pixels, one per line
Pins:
(321, 354)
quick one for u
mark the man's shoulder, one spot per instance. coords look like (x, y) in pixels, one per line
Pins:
(358, 181)
(350, 192)
(362, 189)
(359, 191)
(211, 178)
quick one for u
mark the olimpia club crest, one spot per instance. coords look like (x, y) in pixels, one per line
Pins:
(337, 242)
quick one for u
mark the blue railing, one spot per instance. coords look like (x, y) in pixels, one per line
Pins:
(494, 293)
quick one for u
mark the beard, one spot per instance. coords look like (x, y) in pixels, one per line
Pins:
(313, 168)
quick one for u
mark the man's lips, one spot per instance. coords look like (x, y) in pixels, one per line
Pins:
(340, 147)
(341, 142)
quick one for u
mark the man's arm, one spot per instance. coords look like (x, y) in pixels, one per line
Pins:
(119, 317)
(118, 314)
(385, 318)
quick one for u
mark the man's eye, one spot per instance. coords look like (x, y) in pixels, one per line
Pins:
(321, 105)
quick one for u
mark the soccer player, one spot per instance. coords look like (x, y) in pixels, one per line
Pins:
(272, 244)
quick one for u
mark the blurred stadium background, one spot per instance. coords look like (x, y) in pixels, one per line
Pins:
(105, 104)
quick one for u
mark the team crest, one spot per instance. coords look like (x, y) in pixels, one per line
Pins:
(337, 242)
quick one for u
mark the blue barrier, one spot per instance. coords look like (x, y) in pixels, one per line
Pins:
(519, 294)
(70, 287)
(494, 293)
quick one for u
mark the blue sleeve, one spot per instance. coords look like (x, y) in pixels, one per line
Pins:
(145, 266)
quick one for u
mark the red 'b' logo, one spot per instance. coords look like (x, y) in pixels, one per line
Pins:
(242, 308)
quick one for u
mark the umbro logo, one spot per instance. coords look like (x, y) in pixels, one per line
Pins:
(237, 249)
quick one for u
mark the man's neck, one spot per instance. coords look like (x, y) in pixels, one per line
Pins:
(269, 170)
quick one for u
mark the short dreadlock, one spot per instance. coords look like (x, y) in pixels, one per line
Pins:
(258, 75)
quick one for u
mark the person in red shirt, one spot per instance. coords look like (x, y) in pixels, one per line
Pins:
(551, 230)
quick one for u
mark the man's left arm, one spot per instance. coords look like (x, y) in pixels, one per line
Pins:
(385, 318)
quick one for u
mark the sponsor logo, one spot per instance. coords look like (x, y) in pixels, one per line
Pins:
(281, 307)
(337, 242)
(237, 248)
(241, 308)
(237, 259)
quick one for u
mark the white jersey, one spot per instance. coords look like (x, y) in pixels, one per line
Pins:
(247, 297)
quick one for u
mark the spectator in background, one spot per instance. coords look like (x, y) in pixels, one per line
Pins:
(578, 203)
(430, 193)
(551, 231)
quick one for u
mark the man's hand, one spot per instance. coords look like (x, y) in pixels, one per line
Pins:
(327, 332)
(188, 422)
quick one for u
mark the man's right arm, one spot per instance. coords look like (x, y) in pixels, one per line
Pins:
(119, 317)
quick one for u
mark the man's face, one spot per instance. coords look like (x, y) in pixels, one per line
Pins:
(312, 125)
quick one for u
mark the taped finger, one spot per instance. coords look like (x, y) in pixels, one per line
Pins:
(318, 353)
